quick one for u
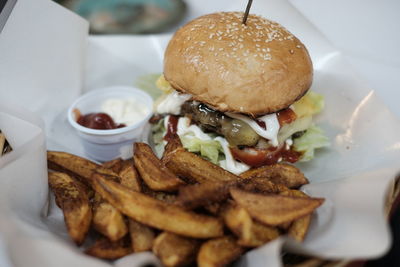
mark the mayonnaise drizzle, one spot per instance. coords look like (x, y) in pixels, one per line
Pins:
(230, 164)
(272, 124)
(172, 103)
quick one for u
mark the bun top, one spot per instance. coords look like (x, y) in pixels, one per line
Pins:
(254, 69)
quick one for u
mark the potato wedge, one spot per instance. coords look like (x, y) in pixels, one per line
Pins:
(197, 195)
(249, 233)
(173, 144)
(130, 178)
(275, 209)
(74, 202)
(76, 166)
(153, 172)
(280, 173)
(108, 250)
(156, 213)
(142, 236)
(261, 185)
(115, 165)
(196, 169)
(109, 221)
(299, 228)
(174, 250)
(219, 252)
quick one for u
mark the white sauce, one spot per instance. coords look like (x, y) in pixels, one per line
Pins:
(127, 111)
(288, 143)
(272, 124)
(172, 103)
(230, 164)
(184, 128)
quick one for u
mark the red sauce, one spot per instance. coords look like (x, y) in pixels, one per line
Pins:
(286, 116)
(260, 157)
(261, 124)
(172, 127)
(98, 121)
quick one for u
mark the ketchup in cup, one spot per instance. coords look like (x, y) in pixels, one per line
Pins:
(99, 121)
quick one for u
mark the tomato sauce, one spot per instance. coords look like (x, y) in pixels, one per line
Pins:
(286, 116)
(98, 121)
(260, 157)
(172, 128)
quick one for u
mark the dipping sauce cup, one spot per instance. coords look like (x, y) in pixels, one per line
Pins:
(104, 145)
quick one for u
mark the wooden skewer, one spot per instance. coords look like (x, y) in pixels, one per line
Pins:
(246, 13)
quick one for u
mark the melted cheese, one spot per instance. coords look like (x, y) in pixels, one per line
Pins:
(272, 126)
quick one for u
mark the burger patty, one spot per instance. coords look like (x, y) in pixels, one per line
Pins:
(237, 132)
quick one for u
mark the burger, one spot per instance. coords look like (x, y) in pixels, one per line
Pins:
(238, 94)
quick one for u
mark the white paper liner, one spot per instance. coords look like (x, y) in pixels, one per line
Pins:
(353, 175)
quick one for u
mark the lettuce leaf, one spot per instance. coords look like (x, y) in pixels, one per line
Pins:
(312, 139)
(209, 149)
(310, 104)
(158, 131)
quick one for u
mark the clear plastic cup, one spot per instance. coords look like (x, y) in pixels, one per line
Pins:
(104, 145)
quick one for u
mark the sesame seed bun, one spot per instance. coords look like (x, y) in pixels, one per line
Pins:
(254, 69)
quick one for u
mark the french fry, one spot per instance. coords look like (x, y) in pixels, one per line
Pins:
(153, 172)
(108, 221)
(156, 213)
(299, 228)
(219, 252)
(74, 202)
(190, 166)
(130, 178)
(275, 209)
(108, 250)
(250, 233)
(115, 165)
(279, 173)
(142, 236)
(174, 250)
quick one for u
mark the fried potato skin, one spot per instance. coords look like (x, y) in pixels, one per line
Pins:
(156, 213)
(104, 248)
(219, 252)
(275, 209)
(279, 173)
(74, 202)
(174, 250)
(152, 170)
